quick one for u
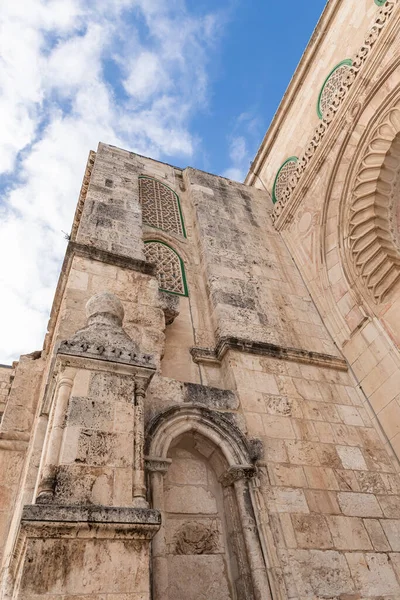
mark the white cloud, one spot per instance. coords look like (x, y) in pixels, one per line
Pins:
(242, 143)
(56, 105)
(239, 156)
(146, 77)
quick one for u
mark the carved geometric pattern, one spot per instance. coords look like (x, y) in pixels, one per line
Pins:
(160, 206)
(373, 231)
(381, 20)
(282, 178)
(332, 86)
(169, 267)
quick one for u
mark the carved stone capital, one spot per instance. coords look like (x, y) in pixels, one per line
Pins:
(237, 472)
(141, 384)
(157, 465)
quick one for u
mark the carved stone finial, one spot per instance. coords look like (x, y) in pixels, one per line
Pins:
(104, 308)
(103, 337)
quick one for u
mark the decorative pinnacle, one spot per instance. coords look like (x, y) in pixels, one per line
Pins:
(104, 308)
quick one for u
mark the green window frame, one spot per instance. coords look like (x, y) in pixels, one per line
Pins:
(163, 275)
(160, 210)
(348, 62)
(280, 174)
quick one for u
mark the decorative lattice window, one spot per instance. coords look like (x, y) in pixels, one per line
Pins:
(332, 86)
(169, 267)
(282, 178)
(160, 206)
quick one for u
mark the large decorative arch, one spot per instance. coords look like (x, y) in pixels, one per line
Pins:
(170, 269)
(160, 206)
(232, 457)
(372, 232)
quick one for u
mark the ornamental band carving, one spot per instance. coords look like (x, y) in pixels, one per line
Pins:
(349, 77)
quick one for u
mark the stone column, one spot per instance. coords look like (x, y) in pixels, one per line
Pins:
(157, 467)
(238, 477)
(139, 483)
(46, 486)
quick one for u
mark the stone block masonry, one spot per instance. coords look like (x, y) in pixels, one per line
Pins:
(224, 427)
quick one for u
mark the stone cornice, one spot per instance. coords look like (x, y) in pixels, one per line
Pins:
(109, 258)
(90, 514)
(207, 355)
(83, 193)
(142, 362)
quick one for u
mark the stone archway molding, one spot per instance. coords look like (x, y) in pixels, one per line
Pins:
(177, 420)
(374, 254)
(213, 431)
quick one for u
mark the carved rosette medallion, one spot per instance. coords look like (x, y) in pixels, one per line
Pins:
(196, 538)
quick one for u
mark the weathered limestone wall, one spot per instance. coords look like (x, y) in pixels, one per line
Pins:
(255, 290)
(329, 491)
(312, 514)
(352, 271)
(16, 437)
(6, 376)
(196, 529)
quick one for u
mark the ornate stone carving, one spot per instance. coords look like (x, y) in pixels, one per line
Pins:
(196, 538)
(237, 472)
(157, 465)
(160, 206)
(282, 178)
(373, 234)
(347, 81)
(103, 337)
(169, 268)
(170, 306)
(256, 448)
(332, 87)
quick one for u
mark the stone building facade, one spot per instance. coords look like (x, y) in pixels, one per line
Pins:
(215, 410)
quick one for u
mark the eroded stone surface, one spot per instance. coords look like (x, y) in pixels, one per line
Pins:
(263, 456)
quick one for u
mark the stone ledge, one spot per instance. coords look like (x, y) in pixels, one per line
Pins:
(90, 514)
(85, 251)
(134, 264)
(208, 355)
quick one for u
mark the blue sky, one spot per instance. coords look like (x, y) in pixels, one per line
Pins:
(257, 55)
(189, 82)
